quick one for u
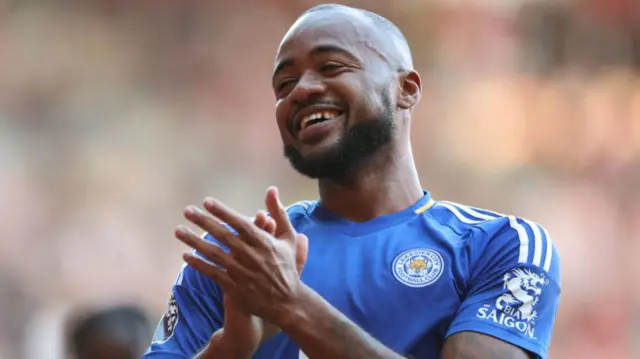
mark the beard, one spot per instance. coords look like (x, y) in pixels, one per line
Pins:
(357, 145)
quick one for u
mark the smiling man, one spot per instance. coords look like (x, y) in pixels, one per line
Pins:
(375, 268)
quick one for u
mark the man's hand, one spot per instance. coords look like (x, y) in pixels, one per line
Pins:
(243, 333)
(261, 274)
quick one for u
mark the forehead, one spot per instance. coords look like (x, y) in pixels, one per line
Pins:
(349, 31)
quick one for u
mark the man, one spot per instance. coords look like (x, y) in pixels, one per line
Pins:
(390, 272)
(115, 333)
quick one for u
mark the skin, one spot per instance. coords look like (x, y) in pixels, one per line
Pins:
(337, 57)
(388, 182)
(242, 333)
(246, 331)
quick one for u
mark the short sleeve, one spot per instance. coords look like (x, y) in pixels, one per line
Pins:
(194, 312)
(514, 288)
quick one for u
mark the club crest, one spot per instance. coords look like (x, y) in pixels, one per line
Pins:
(418, 267)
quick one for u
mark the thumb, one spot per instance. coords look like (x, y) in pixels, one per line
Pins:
(279, 214)
(302, 251)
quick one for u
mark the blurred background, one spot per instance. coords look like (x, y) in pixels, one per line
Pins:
(115, 114)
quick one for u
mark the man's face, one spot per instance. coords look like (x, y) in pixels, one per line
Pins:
(334, 97)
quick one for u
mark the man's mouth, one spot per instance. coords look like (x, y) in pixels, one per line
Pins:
(316, 118)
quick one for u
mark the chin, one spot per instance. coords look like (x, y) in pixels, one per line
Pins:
(319, 152)
(320, 163)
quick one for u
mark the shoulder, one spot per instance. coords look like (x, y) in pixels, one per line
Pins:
(498, 234)
(300, 209)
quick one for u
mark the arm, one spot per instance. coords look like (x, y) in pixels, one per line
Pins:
(321, 331)
(194, 313)
(472, 345)
(216, 348)
(513, 292)
(235, 335)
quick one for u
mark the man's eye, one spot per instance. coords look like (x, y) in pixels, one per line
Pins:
(285, 83)
(331, 66)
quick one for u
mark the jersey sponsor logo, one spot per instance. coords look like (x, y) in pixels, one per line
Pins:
(169, 321)
(516, 307)
(418, 267)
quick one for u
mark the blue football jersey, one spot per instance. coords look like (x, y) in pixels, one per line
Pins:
(410, 279)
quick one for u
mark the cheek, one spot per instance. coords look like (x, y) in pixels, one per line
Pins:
(366, 105)
(363, 98)
(281, 118)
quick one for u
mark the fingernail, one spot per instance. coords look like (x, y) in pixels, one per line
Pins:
(194, 210)
(209, 202)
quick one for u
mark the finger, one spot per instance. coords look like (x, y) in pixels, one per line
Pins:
(212, 226)
(247, 231)
(211, 271)
(302, 251)
(279, 214)
(210, 251)
(261, 219)
(213, 253)
(264, 222)
(271, 226)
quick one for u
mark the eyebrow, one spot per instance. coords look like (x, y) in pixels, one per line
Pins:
(322, 49)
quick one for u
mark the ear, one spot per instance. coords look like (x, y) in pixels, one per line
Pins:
(410, 89)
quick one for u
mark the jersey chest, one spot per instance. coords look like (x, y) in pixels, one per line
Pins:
(395, 284)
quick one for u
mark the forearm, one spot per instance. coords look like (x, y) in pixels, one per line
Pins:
(217, 348)
(208, 352)
(321, 331)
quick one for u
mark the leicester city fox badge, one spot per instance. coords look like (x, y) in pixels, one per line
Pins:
(168, 323)
(418, 267)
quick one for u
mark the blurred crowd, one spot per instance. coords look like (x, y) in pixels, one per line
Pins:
(115, 114)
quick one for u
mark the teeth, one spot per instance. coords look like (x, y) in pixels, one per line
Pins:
(306, 121)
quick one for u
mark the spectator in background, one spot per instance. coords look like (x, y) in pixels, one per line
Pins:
(121, 332)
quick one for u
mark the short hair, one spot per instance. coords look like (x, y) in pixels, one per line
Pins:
(377, 20)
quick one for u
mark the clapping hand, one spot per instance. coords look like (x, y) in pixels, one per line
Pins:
(259, 275)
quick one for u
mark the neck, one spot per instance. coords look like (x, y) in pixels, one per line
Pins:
(386, 184)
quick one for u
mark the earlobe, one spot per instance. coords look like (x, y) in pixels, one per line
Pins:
(410, 90)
